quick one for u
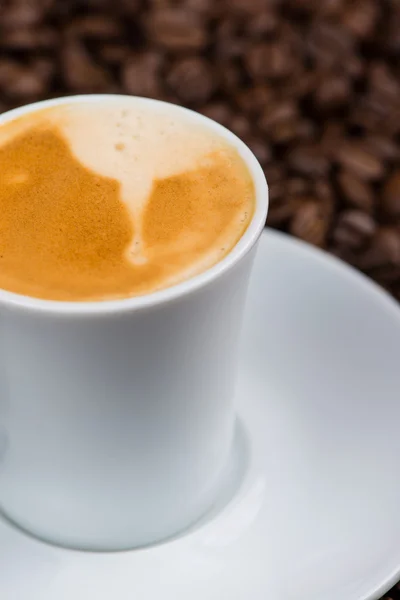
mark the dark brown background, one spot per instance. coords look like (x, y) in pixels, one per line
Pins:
(313, 86)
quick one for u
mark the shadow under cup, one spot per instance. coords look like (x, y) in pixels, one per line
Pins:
(117, 417)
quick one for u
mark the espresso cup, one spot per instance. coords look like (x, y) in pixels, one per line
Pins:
(117, 416)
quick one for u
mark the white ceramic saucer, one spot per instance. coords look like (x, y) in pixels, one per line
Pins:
(310, 505)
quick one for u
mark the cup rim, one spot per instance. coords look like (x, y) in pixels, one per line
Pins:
(176, 291)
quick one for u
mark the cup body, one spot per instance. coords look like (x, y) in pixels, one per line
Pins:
(116, 417)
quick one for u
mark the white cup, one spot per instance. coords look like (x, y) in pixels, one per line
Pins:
(116, 417)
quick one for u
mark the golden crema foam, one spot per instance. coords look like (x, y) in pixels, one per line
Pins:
(102, 201)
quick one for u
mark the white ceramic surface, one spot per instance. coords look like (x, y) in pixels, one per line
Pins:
(310, 508)
(116, 417)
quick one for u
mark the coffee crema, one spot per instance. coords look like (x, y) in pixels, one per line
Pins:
(102, 201)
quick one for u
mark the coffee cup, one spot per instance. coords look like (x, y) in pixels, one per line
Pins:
(117, 416)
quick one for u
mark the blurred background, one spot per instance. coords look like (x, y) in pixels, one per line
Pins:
(312, 86)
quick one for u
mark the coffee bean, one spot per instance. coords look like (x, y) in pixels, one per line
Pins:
(140, 74)
(113, 53)
(96, 27)
(261, 149)
(23, 82)
(229, 77)
(277, 114)
(249, 7)
(306, 130)
(356, 192)
(358, 160)
(324, 192)
(263, 24)
(276, 171)
(283, 133)
(384, 249)
(128, 8)
(391, 195)
(255, 100)
(383, 81)
(308, 160)
(308, 223)
(240, 125)
(329, 44)
(175, 29)
(333, 92)
(297, 186)
(208, 8)
(220, 112)
(81, 73)
(192, 79)
(392, 31)
(354, 228)
(26, 39)
(280, 213)
(277, 192)
(229, 40)
(24, 13)
(361, 17)
(383, 147)
(269, 60)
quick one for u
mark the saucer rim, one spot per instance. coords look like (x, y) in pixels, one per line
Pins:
(377, 293)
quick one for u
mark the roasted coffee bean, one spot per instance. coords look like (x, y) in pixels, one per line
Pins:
(281, 212)
(192, 80)
(175, 29)
(96, 27)
(391, 195)
(255, 100)
(277, 114)
(208, 8)
(262, 25)
(261, 149)
(356, 192)
(229, 40)
(81, 73)
(276, 172)
(358, 160)
(220, 112)
(392, 31)
(277, 192)
(309, 223)
(269, 60)
(24, 13)
(329, 44)
(333, 92)
(383, 147)
(361, 17)
(229, 77)
(308, 160)
(383, 81)
(384, 249)
(140, 74)
(28, 39)
(113, 53)
(23, 82)
(297, 186)
(249, 7)
(354, 228)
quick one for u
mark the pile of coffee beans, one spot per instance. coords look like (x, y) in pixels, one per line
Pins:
(313, 86)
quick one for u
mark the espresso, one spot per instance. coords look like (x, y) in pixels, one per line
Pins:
(103, 201)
